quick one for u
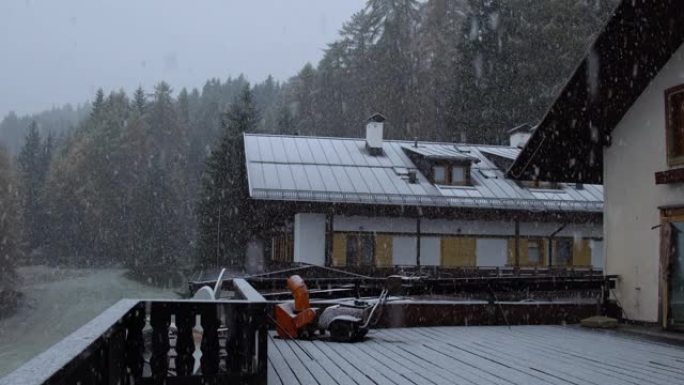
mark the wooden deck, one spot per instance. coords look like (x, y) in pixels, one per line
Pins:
(539, 355)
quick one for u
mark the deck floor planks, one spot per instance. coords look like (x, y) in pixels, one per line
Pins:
(613, 362)
(295, 350)
(400, 365)
(478, 356)
(273, 377)
(300, 372)
(333, 370)
(424, 369)
(350, 370)
(593, 355)
(493, 350)
(581, 363)
(500, 368)
(520, 355)
(656, 351)
(369, 365)
(458, 368)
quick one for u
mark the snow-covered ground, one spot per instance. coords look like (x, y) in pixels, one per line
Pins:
(59, 301)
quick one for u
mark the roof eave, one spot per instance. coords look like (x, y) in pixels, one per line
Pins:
(568, 145)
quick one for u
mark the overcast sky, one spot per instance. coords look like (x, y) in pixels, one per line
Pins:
(60, 51)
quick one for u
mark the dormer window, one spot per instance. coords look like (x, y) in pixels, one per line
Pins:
(458, 175)
(541, 185)
(448, 166)
(439, 175)
(450, 174)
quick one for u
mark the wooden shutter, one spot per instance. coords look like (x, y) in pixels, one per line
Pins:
(459, 251)
(581, 253)
(522, 247)
(383, 250)
(339, 254)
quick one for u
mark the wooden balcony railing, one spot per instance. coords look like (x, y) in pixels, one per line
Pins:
(161, 342)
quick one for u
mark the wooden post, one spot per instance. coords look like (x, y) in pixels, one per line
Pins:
(160, 320)
(329, 218)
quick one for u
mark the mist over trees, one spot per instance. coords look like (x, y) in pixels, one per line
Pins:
(153, 179)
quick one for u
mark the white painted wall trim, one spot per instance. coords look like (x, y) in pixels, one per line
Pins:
(309, 238)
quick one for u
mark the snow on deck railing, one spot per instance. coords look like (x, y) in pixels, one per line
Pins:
(114, 347)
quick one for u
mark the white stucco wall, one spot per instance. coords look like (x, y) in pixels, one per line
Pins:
(309, 239)
(491, 252)
(404, 250)
(632, 198)
(430, 251)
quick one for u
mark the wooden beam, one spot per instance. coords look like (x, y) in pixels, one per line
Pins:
(670, 176)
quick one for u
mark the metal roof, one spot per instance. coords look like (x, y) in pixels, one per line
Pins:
(340, 170)
(440, 152)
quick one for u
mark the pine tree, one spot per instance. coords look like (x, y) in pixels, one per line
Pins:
(34, 162)
(10, 223)
(224, 211)
(139, 101)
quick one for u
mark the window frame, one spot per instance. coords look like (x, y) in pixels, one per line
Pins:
(672, 159)
(448, 169)
(358, 252)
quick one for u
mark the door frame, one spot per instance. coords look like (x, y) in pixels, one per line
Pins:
(667, 216)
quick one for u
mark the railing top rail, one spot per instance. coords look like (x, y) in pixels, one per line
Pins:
(246, 291)
(68, 356)
(46, 365)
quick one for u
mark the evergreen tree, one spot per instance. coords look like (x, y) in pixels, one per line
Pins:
(223, 211)
(10, 223)
(139, 101)
(34, 162)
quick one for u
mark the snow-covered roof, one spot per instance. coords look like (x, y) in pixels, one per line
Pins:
(341, 170)
(634, 45)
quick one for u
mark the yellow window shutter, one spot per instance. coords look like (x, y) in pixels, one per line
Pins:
(383, 250)
(581, 253)
(458, 251)
(339, 257)
(511, 252)
(523, 247)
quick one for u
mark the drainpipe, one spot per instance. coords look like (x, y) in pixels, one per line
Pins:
(420, 214)
(328, 239)
(550, 248)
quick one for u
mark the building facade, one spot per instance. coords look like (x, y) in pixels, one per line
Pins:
(348, 202)
(629, 119)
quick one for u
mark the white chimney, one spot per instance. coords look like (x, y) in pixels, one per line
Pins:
(374, 128)
(518, 136)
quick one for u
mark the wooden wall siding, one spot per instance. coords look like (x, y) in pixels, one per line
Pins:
(459, 251)
(282, 248)
(523, 246)
(383, 250)
(581, 254)
(339, 252)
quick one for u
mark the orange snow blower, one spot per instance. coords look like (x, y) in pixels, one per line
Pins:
(347, 321)
(296, 319)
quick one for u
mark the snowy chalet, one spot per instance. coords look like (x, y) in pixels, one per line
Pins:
(620, 121)
(376, 203)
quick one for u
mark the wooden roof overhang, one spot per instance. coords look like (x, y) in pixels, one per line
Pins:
(635, 44)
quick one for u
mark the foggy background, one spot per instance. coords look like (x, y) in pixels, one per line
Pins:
(57, 52)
